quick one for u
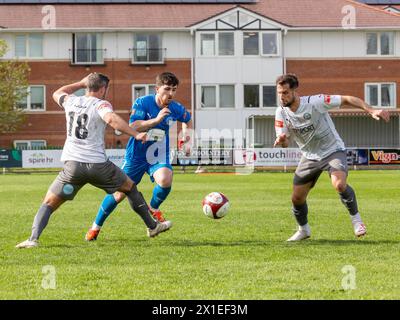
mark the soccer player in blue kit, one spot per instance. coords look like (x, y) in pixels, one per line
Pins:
(153, 114)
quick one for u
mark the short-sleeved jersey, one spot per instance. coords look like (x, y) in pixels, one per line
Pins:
(146, 108)
(311, 126)
(85, 129)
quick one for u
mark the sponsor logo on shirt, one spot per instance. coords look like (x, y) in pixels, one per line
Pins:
(278, 124)
(139, 113)
(305, 129)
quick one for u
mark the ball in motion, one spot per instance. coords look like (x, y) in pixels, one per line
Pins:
(215, 205)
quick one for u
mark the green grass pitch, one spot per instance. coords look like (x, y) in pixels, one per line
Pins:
(242, 256)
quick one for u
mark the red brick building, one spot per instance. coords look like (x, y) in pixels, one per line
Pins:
(227, 56)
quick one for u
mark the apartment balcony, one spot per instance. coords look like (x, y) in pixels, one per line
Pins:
(147, 56)
(87, 56)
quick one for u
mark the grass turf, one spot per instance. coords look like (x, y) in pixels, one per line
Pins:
(242, 256)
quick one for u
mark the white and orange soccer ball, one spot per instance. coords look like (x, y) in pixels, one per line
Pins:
(215, 205)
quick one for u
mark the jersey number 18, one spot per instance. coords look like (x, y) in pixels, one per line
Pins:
(81, 132)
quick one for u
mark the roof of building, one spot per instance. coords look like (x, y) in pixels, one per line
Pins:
(292, 13)
(120, 1)
(380, 2)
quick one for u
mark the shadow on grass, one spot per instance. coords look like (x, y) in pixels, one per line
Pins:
(344, 242)
(124, 242)
(282, 243)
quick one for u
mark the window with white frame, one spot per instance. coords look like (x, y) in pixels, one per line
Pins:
(140, 90)
(217, 44)
(269, 43)
(251, 43)
(217, 96)
(381, 95)
(29, 144)
(88, 48)
(269, 97)
(256, 95)
(147, 48)
(251, 95)
(226, 44)
(207, 44)
(380, 43)
(227, 96)
(34, 100)
(29, 45)
(208, 96)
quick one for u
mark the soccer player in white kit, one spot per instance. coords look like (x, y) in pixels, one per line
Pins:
(84, 156)
(308, 121)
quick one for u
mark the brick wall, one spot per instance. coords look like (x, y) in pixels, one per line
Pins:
(50, 125)
(345, 77)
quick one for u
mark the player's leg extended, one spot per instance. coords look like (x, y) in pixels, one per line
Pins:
(139, 205)
(58, 193)
(111, 178)
(348, 198)
(111, 201)
(108, 205)
(162, 175)
(50, 204)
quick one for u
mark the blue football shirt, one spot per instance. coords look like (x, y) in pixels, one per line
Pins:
(146, 108)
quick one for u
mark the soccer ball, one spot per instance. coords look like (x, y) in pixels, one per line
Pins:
(215, 205)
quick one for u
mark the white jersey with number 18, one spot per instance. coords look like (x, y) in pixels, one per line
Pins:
(311, 126)
(85, 129)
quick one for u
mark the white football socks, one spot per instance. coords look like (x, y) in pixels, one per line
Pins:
(305, 228)
(356, 218)
(95, 226)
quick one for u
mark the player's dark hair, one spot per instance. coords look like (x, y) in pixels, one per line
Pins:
(290, 79)
(167, 78)
(96, 81)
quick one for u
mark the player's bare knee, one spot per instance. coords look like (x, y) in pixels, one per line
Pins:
(165, 181)
(340, 186)
(52, 200)
(126, 187)
(119, 196)
(298, 200)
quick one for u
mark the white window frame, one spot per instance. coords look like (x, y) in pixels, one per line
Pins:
(216, 44)
(162, 61)
(260, 96)
(147, 89)
(261, 44)
(379, 84)
(98, 47)
(27, 47)
(28, 99)
(379, 54)
(217, 93)
(29, 142)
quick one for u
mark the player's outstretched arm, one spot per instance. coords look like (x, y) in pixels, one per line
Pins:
(354, 102)
(116, 122)
(69, 89)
